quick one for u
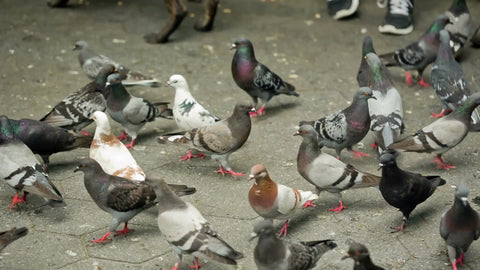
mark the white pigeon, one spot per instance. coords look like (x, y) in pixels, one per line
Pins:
(110, 153)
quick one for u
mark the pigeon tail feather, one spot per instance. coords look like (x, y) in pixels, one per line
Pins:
(288, 90)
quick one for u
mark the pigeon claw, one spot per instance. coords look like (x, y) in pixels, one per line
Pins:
(253, 114)
(261, 111)
(441, 164)
(460, 260)
(442, 113)
(123, 136)
(374, 145)
(358, 154)
(284, 229)
(102, 239)
(400, 228)
(309, 204)
(408, 78)
(131, 144)
(224, 172)
(85, 133)
(339, 208)
(125, 230)
(16, 200)
(196, 265)
(189, 156)
(423, 83)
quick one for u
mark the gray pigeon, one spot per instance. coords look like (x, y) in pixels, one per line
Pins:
(187, 231)
(131, 112)
(459, 26)
(441, 135)
(255, 78)
(405, 190)
(220, 139)
(11, 235)
(75, 110)
(272, 253)
(326, 172)
(386, 111)
(363, 75)
(92, 63)
(359, 253)
(476, 38)
(22, 171)
(345, 128)
(419, 54)
(122, 198)
(459, 226)
(448, 80)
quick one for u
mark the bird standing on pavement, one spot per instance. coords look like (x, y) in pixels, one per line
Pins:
(359, 254)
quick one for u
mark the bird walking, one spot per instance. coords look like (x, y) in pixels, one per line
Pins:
(360, 255)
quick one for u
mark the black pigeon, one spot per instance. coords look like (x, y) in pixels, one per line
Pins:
(459, 226)
(45, 140)
(9, 236)
(419, 54)
(459, 26)
(122, 198)
(405, 190)
(363, 75)
(75, 110)
(255, 78)
(274, 253)
(359, 253)
(476, 38)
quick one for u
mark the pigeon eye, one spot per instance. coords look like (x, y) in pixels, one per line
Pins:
(175, 81)
(365, 94)
(304, 131)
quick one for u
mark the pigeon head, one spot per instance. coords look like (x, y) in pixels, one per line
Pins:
(357, 252)
(106, 70)
(88, 164)
(440, 23)
(242, 43)
(367, 46)
(243, 109)
(262, 229)
(258, 172)
(113, 79)
(101, 120)
(176, 81)
(461, 194)
(306, 131)
(364, 93)
(387, 159)
(6, 132)
(80, 45)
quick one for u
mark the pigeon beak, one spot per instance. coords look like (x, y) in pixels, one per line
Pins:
(251, 177)
(252, 236)
(464, 200)
(77, 169)
(380, 165)
(233, 46)
(296, 134)
(346, 256)
(107, 84)
(372, 96)
(167, 84)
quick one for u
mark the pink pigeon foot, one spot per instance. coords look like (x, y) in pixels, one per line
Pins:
(401, 228)
(175, 267)
(284, 229)
(454, 266)
(16, 200)
(423, 83)
(261, 111)
(309, 204)
(131, 144)
(441, 114)
(408, 78)
(460, 260)
(441, 164)
(358, 154)
(85, 133)
(125, 230)
(374, 145)
(339, 208)
(195, 265)
(253, 114)
(189, 156)
(123, 136)
(103, 239)
(223, 172)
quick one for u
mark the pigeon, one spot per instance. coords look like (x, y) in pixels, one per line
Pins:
(359, 253)
(419, 54)
(131, 112)
(448, 80)
(92, 62)
(459, 226)
(363, 75)
(274, 253)
(255, 78)
(74, 111)
(441, 135)
(405, 190)
(476, 38)
(11, 235)
(345, 128)
(386, 111)
(110, 153)
(187, 112)
(459, 26)
(187, 231)
(45, 140)
(122, 198)
(275, 201)
(220, 139)
(326, 172)
(22, 171)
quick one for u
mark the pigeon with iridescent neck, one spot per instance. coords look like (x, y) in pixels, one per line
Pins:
(255, 78)
(459, 26)
(419, 54)
(441, 135)
(459, 226)
(345, 128)
(363, 75)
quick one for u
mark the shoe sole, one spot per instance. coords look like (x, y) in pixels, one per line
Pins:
(347, 12)
(390, 29)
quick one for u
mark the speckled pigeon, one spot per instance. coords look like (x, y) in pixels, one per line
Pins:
(448, 80)
(92, 62)
(419, 54)
(459, 26)
(187, 231)
(359, 254)
(275, 201)
(363, 75)
(11, 235)
(22, 171)
(403, 189)
(345, 128)
(459, 226)
(75, 110)
(476, 38)
(326, 172)
(131, 112)
(122, 198)
(187, 112)
(441, 135)
(255, 78)
(220, 139)
(386, 111)
(274, 253)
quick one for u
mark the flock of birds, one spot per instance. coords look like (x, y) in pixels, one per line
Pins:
(119, 186)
